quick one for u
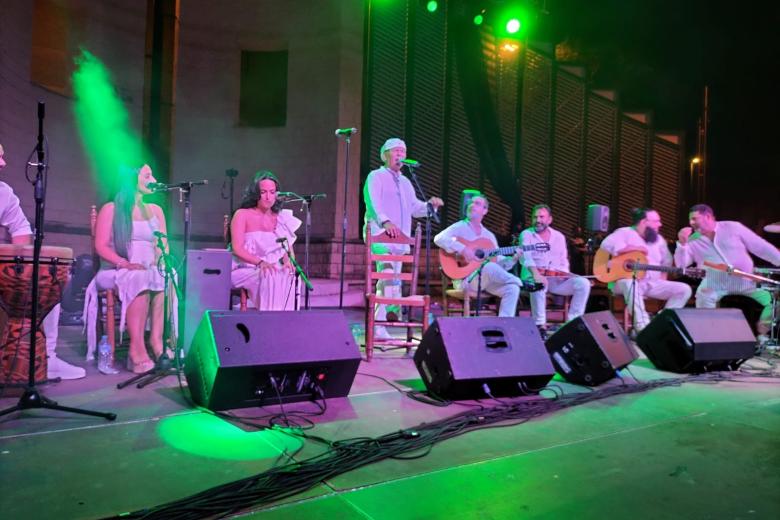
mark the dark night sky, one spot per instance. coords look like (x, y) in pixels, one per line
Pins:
(659, 54)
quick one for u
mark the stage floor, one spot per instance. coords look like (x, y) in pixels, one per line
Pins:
(696, 450)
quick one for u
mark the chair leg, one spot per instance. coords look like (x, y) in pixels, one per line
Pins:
(110, 321)
(626, 319)
(370, 329)
(242, 298)
(466, 304)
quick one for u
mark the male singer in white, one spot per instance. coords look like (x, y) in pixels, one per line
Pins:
(537, 262)
(644, 236)
(390, 205)
(725, 242)
(494, 276)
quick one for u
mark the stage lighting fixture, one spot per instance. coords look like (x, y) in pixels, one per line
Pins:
(513, 25)
(432, 6)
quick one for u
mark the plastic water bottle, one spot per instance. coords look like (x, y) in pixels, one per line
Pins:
(105, 359)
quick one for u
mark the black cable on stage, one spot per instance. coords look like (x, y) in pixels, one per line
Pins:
(345, 455)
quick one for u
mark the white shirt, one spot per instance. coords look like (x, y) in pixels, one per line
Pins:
(11, 215)
(556, 258)
(390, 196)
(657, 252)
(733, 244)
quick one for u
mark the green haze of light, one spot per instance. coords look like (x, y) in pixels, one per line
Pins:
(103, 123)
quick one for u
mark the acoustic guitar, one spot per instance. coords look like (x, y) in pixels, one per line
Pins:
(607, 268)
(457, 267)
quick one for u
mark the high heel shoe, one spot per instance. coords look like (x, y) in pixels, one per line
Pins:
(141, 367)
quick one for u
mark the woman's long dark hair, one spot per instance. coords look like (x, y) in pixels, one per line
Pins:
(252, 192)
(252, 195)
(123, 209)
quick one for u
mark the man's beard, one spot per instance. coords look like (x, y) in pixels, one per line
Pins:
(651, 235)
(539, 227)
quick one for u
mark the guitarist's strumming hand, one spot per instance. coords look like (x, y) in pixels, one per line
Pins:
(390, 229)
(468, 254)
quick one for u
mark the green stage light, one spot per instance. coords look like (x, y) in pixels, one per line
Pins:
(432, 5)
(513, 25)
(479, 19)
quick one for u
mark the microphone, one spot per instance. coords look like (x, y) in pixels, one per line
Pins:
(286, 194)
(154, 186)
(346, 131)
(160, 234)
(281, 240)
(159, 186)
(411, 163)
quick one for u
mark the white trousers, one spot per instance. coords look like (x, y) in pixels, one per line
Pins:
(576, 287)
(676, 295)
(708, 298)
(501, 283)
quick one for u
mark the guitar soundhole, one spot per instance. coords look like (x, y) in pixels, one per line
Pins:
(479, 253)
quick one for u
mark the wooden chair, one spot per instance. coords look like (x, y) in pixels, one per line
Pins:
(460, 300)
(240, 293)
(556, 312)
(408, 277)
(106, 298)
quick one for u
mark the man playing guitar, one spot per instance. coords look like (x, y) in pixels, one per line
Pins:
(494, 276)
(644, 236)
(551, 268)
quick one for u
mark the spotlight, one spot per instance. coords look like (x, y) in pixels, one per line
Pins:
(431, 6)
(513, 25)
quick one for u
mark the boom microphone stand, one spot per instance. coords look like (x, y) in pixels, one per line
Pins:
(32, 398)
(306, 200)
(163, 366)
(347, 133)
(230, 175)
(412, 166)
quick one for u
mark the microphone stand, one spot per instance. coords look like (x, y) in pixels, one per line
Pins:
(431, 214)
(478, 272)
(185, 192)
(32, 398)
(298, 271)
(347, 138)
(306, 200)
(230, 175)
(163, 366)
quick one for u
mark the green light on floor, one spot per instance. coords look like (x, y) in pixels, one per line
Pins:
(431, 6)
(206, 435)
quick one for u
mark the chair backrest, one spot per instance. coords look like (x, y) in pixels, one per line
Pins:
(410, 260)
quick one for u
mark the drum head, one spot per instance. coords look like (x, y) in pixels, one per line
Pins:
(9, 252)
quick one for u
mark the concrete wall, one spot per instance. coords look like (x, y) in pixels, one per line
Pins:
(324, 39)
(114, 32)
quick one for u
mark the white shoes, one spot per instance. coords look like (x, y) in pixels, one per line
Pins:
(58, 368)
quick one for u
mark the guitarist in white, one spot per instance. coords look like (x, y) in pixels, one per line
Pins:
(495, 278)
(728, 244)
(644, 236)
(551, 268)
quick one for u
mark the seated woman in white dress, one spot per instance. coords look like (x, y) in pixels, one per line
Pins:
(125, 241)
(260, 262)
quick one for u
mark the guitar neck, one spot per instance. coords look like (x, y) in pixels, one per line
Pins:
(509, 250)
(661, 268)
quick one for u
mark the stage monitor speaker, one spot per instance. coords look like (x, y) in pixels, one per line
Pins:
(697, 340)
(590, 349)
(241, 359)
(208, 288)
(597, 218)
(458, 356)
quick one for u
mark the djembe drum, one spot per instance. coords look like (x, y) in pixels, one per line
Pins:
(16, 276)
